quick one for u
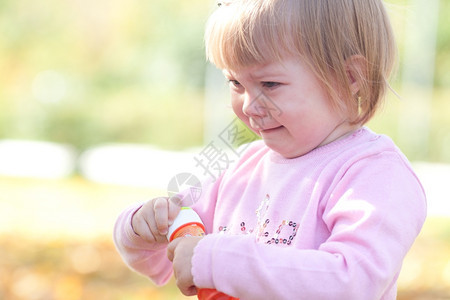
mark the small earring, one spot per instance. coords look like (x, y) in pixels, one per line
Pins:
(359, 105)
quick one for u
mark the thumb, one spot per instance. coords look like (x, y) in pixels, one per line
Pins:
(171, 249)
(174, 208)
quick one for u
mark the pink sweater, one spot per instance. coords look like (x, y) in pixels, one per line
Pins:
(335, 223)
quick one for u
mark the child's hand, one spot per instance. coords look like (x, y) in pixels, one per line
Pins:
(180, 252)
(152, 220)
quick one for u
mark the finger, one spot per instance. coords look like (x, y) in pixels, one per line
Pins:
(184, 279)
(140, 226)
(161, 208)
(174, 209)
(187, 291)
(135, 221)
(151, 223)
(148, 229)
(171, 249)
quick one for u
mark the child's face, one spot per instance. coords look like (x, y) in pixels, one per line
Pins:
(284, 103)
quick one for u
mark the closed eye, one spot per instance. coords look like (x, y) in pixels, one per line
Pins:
(270, 84)
(234, 82)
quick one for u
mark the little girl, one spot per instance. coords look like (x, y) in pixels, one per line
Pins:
(321, 207)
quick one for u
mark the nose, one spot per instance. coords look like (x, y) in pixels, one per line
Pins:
(252, 106)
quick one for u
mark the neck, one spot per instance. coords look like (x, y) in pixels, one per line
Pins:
(341, 131)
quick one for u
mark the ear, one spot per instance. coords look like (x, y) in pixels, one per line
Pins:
(355, 67)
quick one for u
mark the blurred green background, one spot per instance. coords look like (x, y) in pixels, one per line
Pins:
(86, 73)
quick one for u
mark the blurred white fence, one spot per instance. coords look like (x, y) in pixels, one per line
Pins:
(135, 165)
(36, 159)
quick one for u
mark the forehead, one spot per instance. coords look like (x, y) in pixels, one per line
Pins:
(287, 67)
(258, 70)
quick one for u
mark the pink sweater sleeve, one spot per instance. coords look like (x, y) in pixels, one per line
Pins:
(373, 216)
(149, 259)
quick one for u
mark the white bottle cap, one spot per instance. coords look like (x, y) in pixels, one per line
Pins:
(187, 215)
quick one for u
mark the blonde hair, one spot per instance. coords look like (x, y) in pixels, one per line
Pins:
(341, 40)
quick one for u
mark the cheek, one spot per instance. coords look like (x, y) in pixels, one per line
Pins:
(236, 104)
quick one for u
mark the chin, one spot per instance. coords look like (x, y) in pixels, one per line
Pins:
(277, 148)
(286, 153)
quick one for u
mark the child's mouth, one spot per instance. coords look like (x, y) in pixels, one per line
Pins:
(270, 130)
